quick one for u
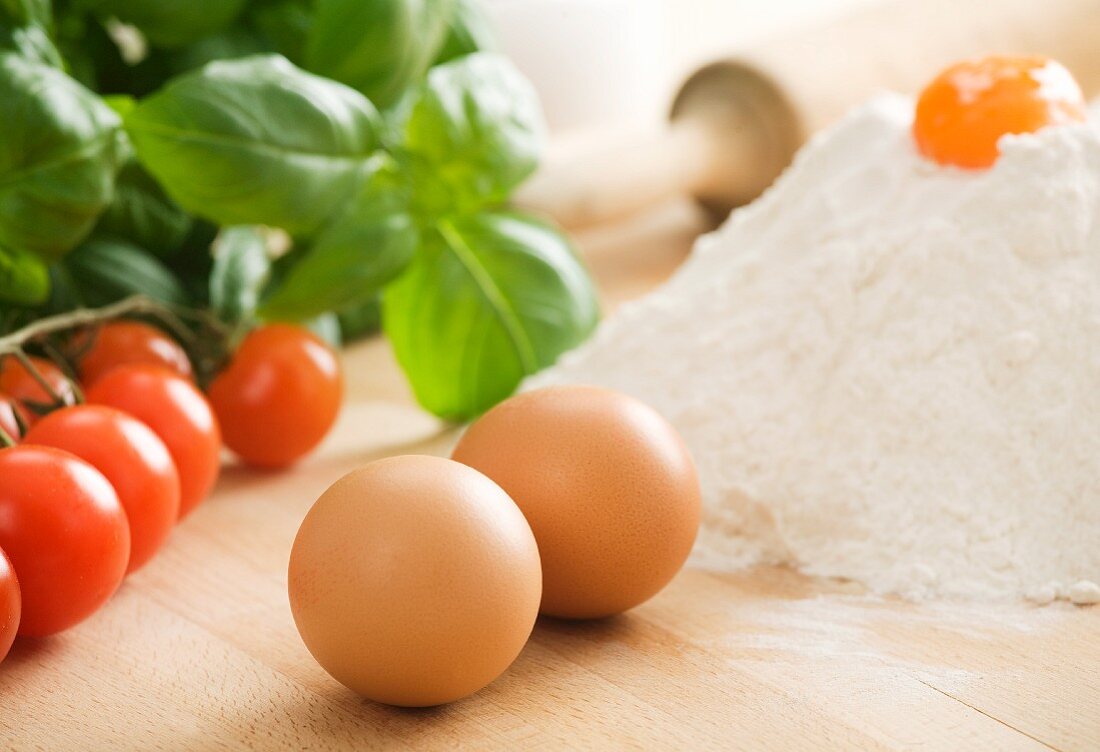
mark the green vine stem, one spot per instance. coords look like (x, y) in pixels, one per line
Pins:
(35, 374)
(12, 343)
(207, 351)
(55, 355)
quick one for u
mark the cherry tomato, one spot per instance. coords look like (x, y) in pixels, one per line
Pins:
(127, 342)
(132, 458)
(18, 383)
(963, 113)
(178, 413)
(10, 606)
(65, 533)
(9, 408)
(279, 396)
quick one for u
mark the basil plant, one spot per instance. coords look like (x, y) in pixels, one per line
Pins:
(157, 147)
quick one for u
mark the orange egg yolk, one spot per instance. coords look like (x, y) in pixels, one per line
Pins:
(963, 113)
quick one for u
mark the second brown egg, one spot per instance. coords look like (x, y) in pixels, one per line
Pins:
(607, 485)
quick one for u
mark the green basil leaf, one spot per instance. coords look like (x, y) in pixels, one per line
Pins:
(122, 104)
(143, 214)
(284, 24)
(26, 27)
(477, 125)
(107, 269)
(491, 298)
(21, 12)
(241, 267)
(379, 47)
(58, 158)
(24, 278)
(32, 43)
(230, 44)
(172, 23)
(256, 141)
(468, 32)
(351, 259)
(61, 297)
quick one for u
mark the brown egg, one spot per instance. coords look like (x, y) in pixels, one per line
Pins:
(608, 487)
(415, 581)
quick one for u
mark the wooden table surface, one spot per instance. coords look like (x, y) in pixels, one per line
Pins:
(198, 650)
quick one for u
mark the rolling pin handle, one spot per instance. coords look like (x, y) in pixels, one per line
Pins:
(750, 129)
(731, 133)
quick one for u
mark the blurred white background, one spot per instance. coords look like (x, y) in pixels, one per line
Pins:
(703, 28)
(597, 63)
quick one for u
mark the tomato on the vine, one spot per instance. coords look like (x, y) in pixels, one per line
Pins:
(10, 605)
(279, 396)
(178, 413)
(9, 408)
(19, 384)
(131, 457)
(119, 343)
(65, 533)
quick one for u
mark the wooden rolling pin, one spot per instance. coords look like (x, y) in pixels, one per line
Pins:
(736, 123)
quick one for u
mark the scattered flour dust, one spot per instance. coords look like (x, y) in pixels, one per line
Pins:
(889, 371)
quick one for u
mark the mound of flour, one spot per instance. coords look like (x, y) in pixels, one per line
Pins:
(889, 371)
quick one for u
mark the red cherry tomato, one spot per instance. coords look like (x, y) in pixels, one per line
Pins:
(178, 413)
(279, 396)
(9, 408)
(10, 606)
(18, 383)
(132, 458)
(121, 343)
(65, 533)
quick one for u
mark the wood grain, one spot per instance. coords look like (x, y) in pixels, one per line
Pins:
(198, 650)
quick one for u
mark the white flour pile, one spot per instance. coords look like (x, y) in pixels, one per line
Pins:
(889, 371)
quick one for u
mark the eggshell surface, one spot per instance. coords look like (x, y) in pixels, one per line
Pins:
(415, 581)
(608, 488)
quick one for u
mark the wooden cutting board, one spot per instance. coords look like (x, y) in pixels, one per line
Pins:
(198, 650)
